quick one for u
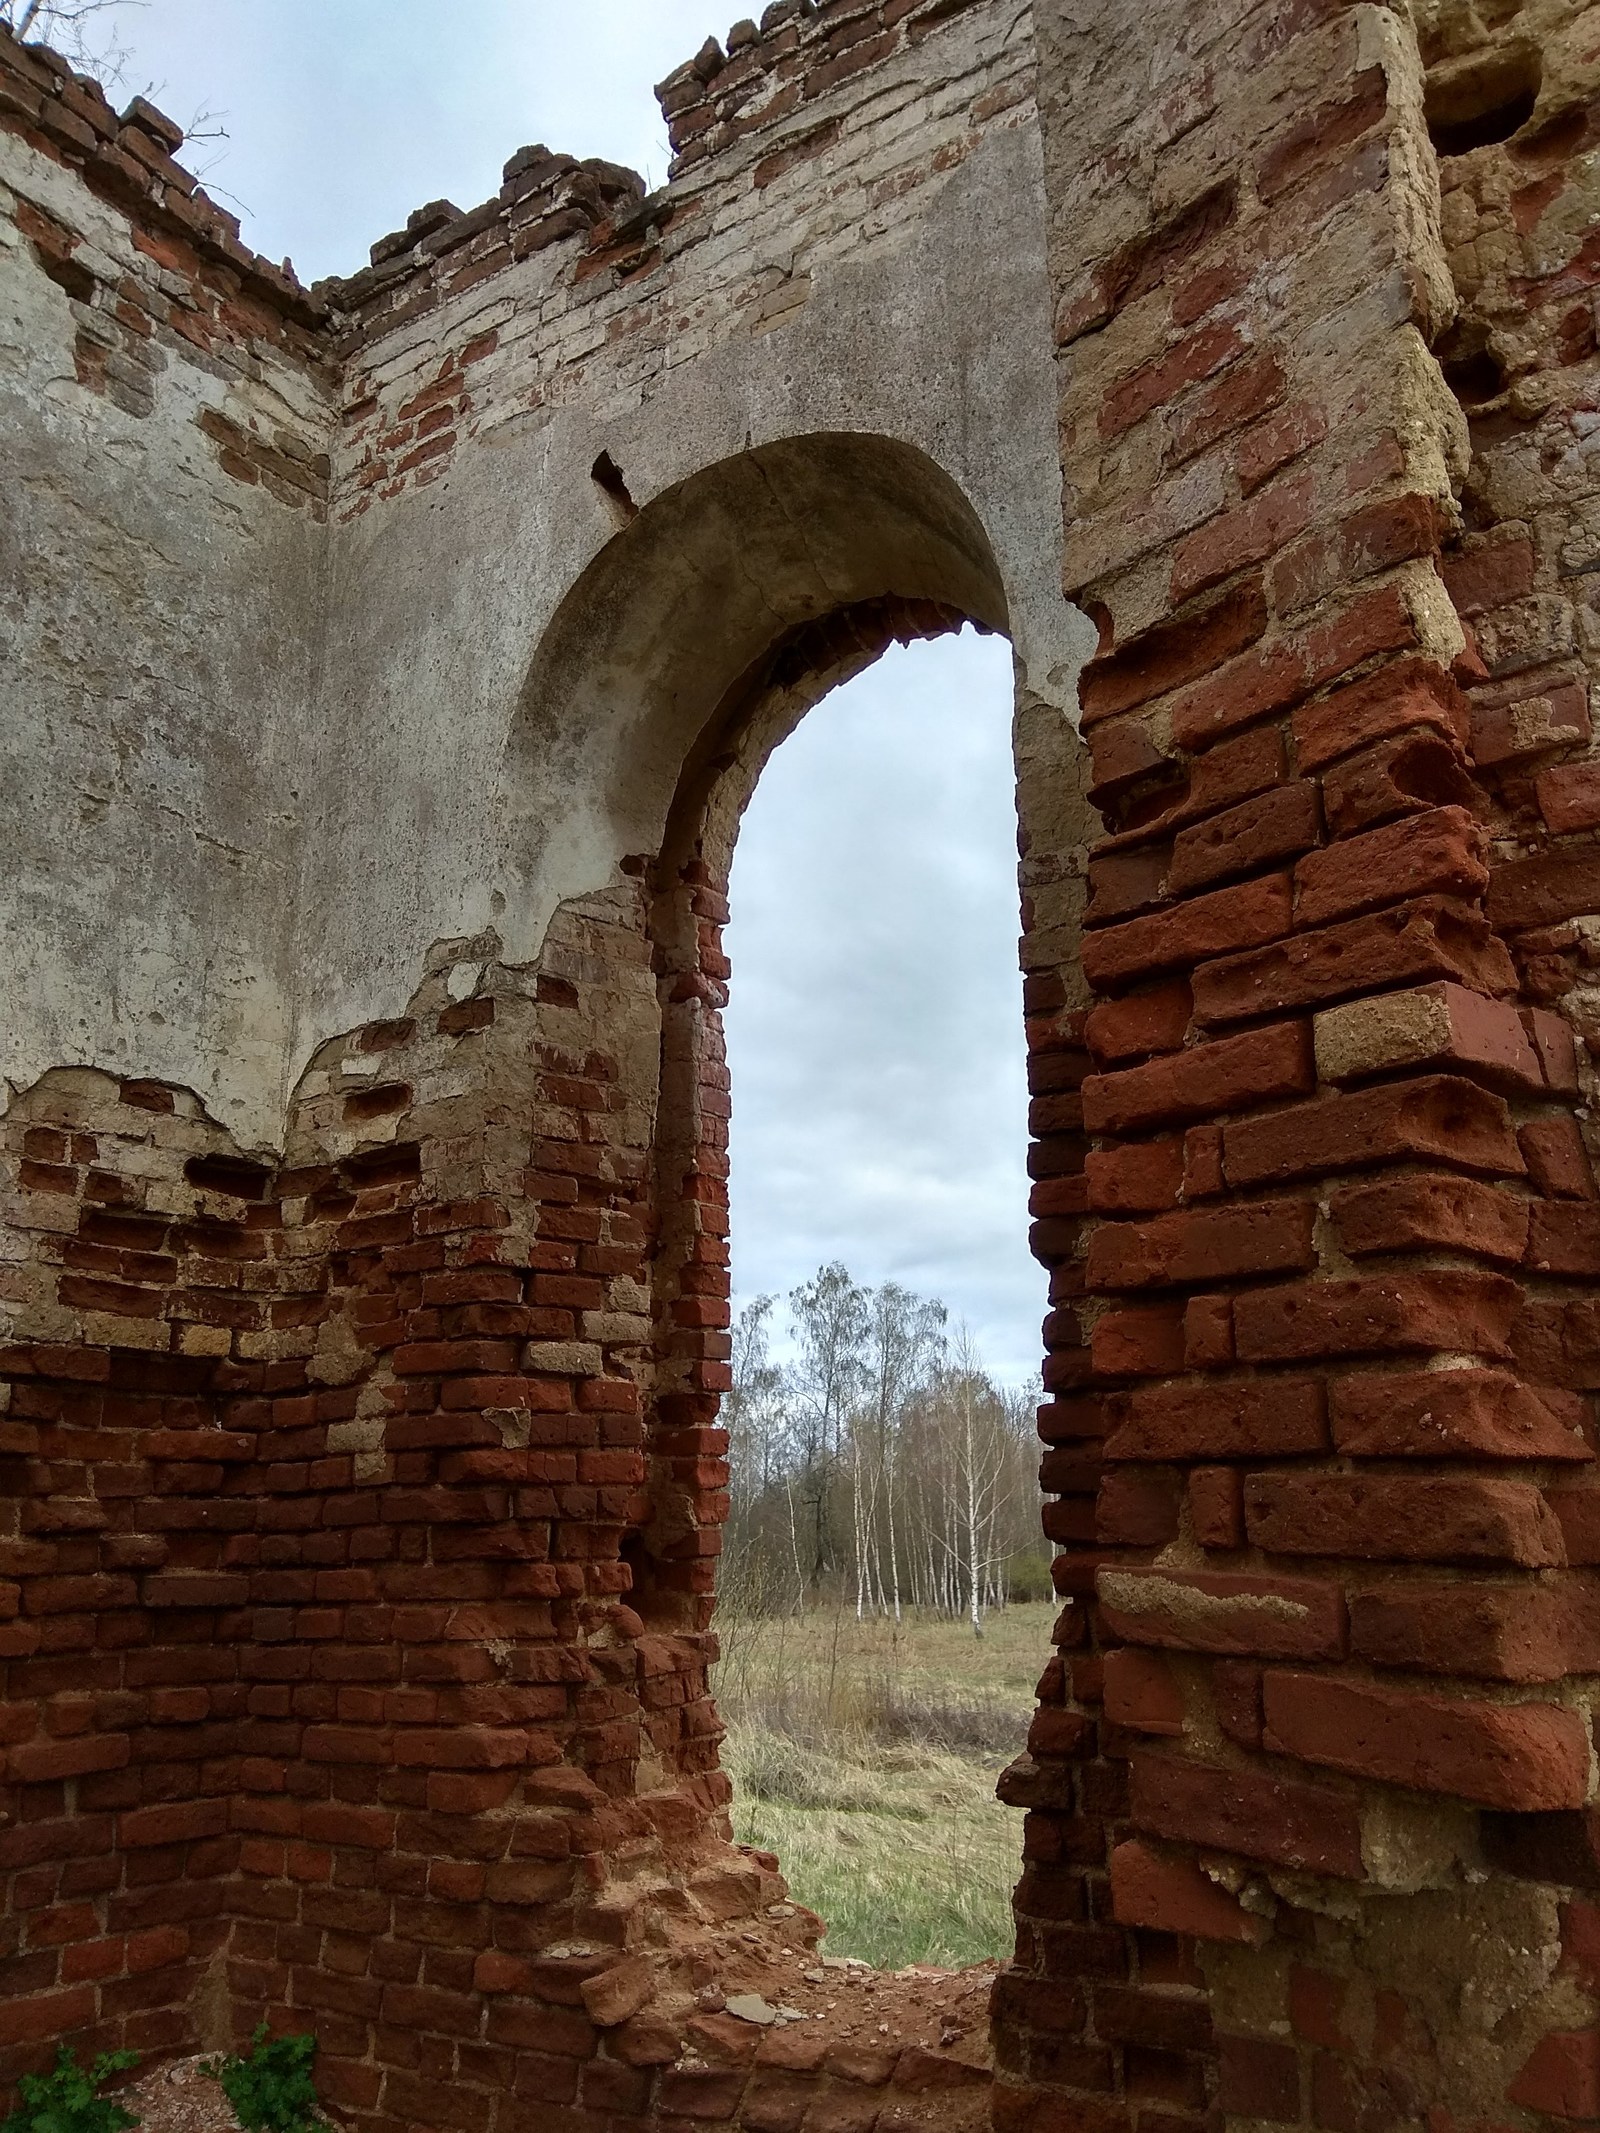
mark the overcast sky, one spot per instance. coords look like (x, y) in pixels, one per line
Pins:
(875, 1032)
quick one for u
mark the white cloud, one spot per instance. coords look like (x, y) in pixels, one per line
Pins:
(875, 1023)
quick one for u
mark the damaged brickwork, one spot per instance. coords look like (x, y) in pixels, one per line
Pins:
(391, 662)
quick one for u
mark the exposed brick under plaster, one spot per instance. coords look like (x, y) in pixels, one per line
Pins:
(365, 1506)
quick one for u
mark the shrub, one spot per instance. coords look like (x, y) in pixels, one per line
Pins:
(67, 2101)
(271, 2091)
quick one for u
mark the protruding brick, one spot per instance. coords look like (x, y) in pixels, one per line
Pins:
(1443, 1414)
(1405, 945)
(1283, 1821)
(1440, 1025)
(1529, 1757)
(1245, 838)
(1569, 797)
(1212, 925)
(1431, 1211)
(1242, 1419)
(1205, 1081)
(1411, 693)
(1469, 1313)
(1440, 852)
(1402, 1517)
(1265, 1237)
(1495, 1632)
(1206, 1611)
(1175, 1895)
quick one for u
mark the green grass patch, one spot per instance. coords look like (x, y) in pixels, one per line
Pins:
(865, 1755)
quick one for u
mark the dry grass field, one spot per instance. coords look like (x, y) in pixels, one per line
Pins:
(865, 1755)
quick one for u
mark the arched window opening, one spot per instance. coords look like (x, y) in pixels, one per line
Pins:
(703, 633)
(884, 1590)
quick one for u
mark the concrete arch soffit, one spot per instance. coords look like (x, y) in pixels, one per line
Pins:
(678, 611)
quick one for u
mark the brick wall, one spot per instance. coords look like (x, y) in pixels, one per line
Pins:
(363, 1491)
(1320, 1454)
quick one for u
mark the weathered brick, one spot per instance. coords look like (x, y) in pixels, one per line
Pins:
(1469, 1313)
(1405, 945)
(1188, 933)
(1439, 1118)
(1151, 1021)
(1398, 776)
(1285, 1822)
(1170, 1894)
(1410, 694)
(1437, 1414)
(1531, 1757)
(1439, 852)
(1203, 1081)
(1142, 1693)
(1146, 1175)
(1544, 890)
(1427, 1211)
(1494, 1632)
(1216, 1507)
(1405, 1518)
(1171, 653)
(1211, 1611)
(1243, 839)
(1242, 1419)
(1439, 1025)
(1266, 1237)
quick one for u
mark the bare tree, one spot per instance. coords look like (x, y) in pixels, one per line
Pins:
(829, 1315)
(873, 1463)
(83, 31)
(905, 1343)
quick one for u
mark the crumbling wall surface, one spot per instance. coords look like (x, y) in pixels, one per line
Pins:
(1312, 1833)
(166, 411)
(523, 377)
(362, 1500)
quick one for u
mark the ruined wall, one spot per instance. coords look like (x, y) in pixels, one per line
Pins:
(1310, 1834)
(363, 1500)
(363, 1472)
(167, 410)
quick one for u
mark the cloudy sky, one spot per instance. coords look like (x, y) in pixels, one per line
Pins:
(879, 1107)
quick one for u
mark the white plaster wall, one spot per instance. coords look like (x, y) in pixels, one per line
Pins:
(926, 322)
(157, 624)
(266, 766)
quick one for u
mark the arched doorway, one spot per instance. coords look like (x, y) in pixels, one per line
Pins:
(720, 613)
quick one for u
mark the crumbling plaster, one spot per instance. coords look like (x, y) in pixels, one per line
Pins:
(166, 618)
(325, 774)
(439, 603)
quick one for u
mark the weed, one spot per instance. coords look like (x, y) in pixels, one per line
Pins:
(271, 2091)
(66, 2101)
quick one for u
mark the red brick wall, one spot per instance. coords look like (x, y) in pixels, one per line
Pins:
(1318, 1438)
(358, 1543)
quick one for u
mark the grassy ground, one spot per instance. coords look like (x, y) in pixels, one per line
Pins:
(865, 1756)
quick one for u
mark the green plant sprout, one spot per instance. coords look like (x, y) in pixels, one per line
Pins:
(67, 2100)
(271, 2090)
